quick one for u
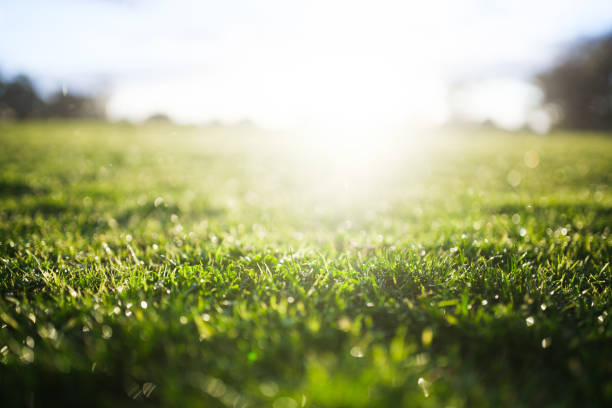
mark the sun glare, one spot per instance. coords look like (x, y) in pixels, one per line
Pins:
(326, 72)
(344, 94)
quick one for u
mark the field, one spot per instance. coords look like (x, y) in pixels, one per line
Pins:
(159, 265)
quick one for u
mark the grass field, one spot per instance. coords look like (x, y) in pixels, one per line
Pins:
(157, 265)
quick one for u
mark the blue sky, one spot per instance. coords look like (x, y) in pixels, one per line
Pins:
(284, 62)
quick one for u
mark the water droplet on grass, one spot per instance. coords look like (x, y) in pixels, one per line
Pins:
(530, 321)
(148, 388)
(344, 324)
(268, 389)
(424, 384)
(107, 332)
(285, 402)
(27, 355)
(514, 178)
(356, 352)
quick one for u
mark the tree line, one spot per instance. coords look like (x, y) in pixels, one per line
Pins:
(20, 100)
(578, 86)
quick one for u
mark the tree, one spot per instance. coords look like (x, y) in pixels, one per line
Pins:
(19, 100)
(158, 118)
(62, 105)
(580, 85)
(20, 97)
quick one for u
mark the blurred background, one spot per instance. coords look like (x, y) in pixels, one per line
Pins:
(311, 65)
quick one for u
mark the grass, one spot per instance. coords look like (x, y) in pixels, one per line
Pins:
(175, 266)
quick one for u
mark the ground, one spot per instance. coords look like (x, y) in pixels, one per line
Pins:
(161, 265)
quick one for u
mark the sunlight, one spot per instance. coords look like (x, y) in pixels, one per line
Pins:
(349, 94)
(337, 76)
(508, 103)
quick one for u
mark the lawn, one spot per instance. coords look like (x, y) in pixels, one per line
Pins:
(160, 265)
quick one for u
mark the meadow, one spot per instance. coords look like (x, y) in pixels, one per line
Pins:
(163, 265)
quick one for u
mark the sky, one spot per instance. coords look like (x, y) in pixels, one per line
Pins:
(286, 63)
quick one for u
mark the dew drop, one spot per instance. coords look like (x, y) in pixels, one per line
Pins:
(27, 355)
(424, 384)
(107, 332)
(356, 352)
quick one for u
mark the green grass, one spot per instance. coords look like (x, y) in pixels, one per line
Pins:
(175, 266)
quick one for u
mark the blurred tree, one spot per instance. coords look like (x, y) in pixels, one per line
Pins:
(159, 118)
(64, 105)
(19, 99)
(580, 85)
